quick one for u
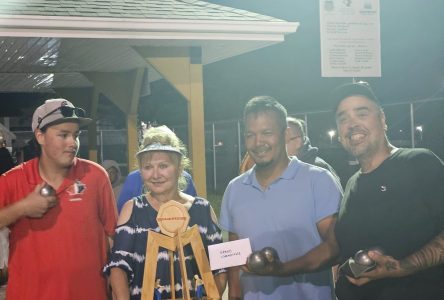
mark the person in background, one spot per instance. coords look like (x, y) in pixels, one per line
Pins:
(298, 144)
(161, 159)
(6, 163)
(133, 186)
(246, 164)
(6, 160)
(4, 253)
(29, 150)
(58, 241)
(114, 174)
(393, 205)
(282, 203)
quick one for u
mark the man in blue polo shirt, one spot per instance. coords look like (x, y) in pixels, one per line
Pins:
(281, 203)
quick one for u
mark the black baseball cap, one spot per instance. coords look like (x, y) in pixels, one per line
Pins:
(361, 88)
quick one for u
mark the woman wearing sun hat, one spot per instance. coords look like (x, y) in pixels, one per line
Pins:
(161, 159)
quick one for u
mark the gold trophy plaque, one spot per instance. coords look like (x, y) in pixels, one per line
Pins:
(173, 221)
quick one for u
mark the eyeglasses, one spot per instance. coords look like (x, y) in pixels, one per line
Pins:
(66, 111)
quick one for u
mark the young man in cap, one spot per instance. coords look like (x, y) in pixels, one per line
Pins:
(393, 204)
(58, 241)
(282, 203)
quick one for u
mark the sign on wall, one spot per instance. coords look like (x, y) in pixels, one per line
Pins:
(350, 38)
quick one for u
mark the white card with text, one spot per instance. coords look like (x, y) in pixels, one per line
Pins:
(229, 254)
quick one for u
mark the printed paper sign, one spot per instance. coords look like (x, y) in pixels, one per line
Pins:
(350, 38)
(229, 254)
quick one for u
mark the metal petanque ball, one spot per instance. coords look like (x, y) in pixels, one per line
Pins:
(256, 261)
(362, 258)
(270, 254)
(47, 190)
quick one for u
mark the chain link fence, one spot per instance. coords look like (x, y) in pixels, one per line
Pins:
(416, 124)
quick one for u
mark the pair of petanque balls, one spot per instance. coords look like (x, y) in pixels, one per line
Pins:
(257, 261)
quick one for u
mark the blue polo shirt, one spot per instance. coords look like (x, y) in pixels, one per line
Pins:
(283, 216)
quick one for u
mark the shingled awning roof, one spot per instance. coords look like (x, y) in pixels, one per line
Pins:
(46, 44)
(131, 9)
(69, 44)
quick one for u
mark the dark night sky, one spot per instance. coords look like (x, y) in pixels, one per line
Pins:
(412, 42)
(412, 54)
(412, 50)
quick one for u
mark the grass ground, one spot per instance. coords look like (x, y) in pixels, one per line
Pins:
(215, 200)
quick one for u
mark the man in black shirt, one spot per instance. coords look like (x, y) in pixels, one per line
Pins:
(394, 203)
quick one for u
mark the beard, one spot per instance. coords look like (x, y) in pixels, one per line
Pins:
(263, 165)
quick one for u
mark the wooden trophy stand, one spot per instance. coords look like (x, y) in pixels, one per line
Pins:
(173, 221)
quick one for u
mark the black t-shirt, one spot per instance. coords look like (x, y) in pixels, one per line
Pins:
(398, 207)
